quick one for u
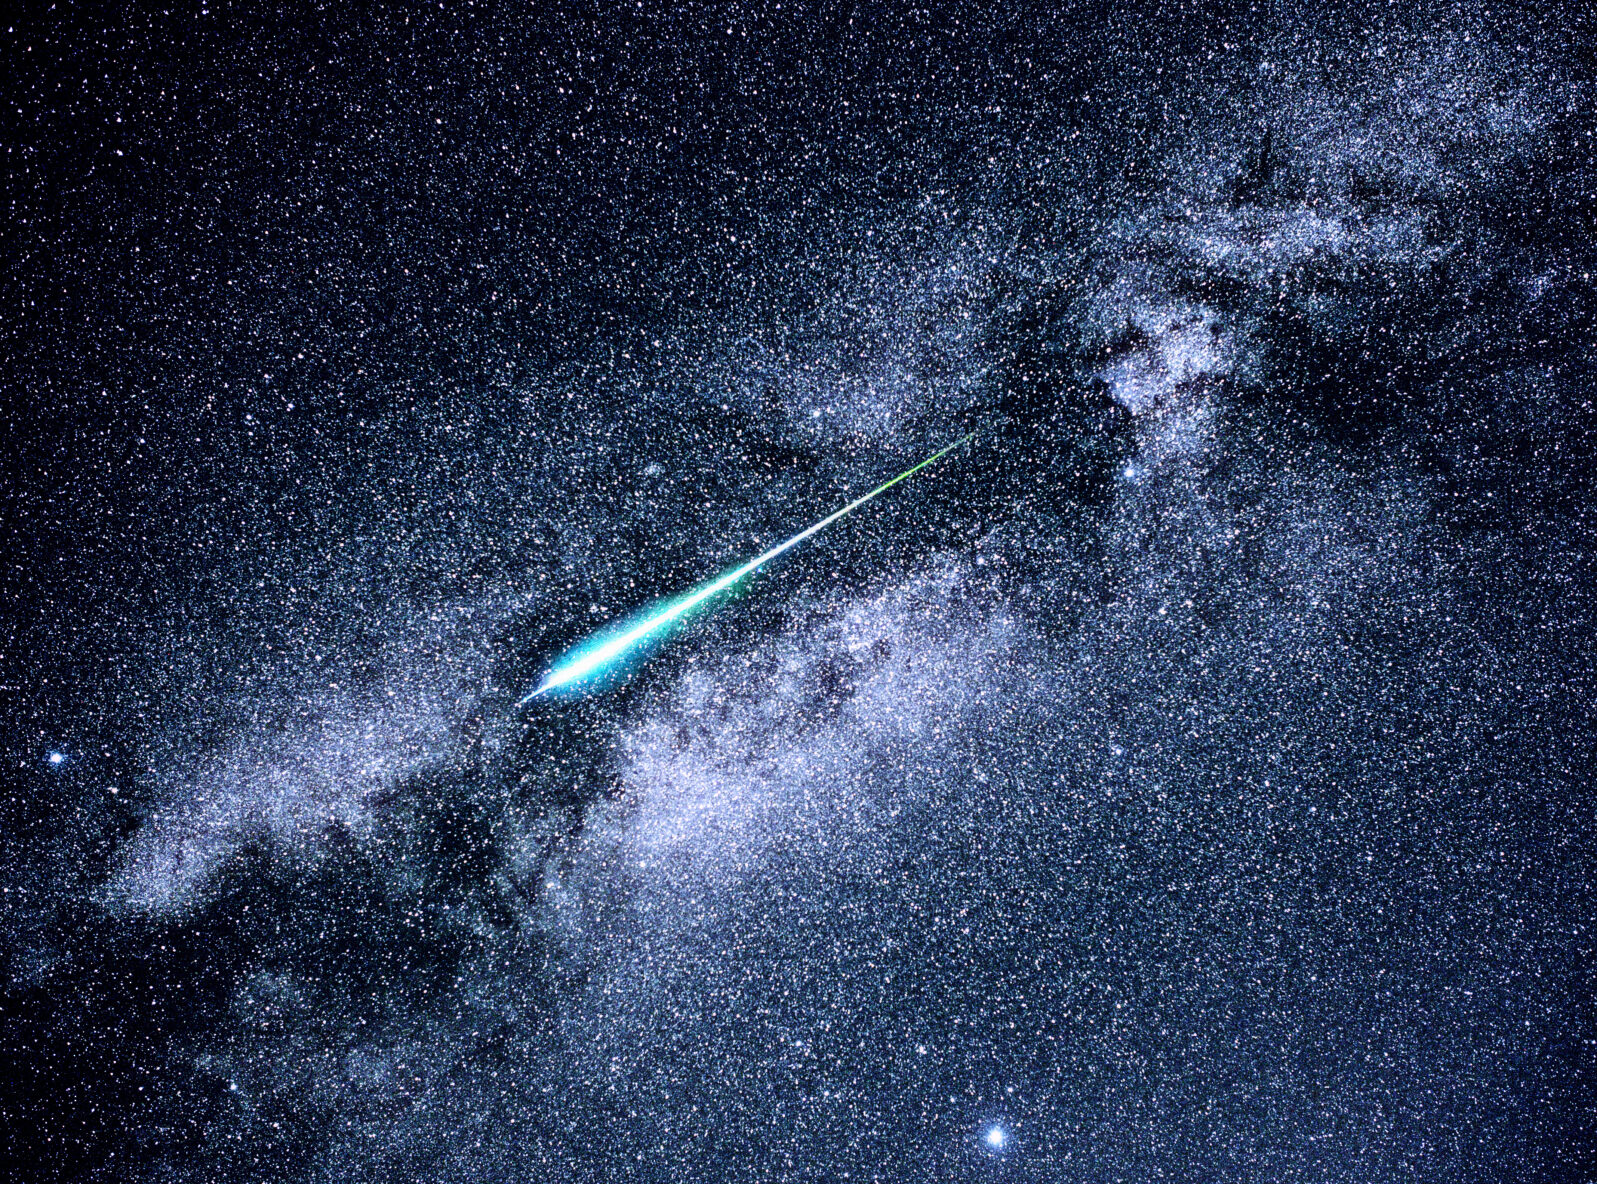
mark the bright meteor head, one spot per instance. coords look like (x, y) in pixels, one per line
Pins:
(600, 653)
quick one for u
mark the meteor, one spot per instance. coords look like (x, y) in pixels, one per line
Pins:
(602, 650)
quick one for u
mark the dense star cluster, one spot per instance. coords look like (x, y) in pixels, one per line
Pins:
(1189, 778)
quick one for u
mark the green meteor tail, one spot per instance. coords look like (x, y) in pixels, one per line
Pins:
(600, 652)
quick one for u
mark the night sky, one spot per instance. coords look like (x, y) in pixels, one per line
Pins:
(1187, 779)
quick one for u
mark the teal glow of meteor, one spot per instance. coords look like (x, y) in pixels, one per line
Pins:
(593, 657)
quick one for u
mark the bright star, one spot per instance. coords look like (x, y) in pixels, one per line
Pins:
(57, 758)
(996, 1138)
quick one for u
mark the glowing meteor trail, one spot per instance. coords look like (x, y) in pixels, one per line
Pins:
(587, 659)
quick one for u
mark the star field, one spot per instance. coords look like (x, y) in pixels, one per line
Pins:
(1187, 779)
